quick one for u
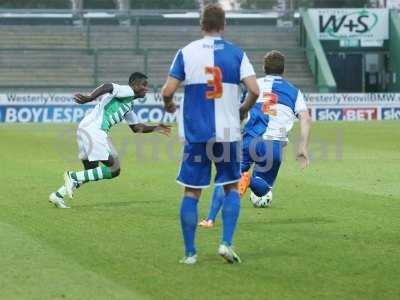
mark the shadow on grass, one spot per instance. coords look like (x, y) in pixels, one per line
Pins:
(290, 221)
(251, 256)
(106, 205)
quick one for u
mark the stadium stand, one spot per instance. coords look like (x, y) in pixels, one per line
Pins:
(115, 66)
(257, 37)
(56, 56)
(112, 37)
(46, 68)
(42, 36)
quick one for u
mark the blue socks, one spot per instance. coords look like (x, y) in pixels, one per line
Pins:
(230, 215)
(259, 186)
(216, 202)
(189, 223)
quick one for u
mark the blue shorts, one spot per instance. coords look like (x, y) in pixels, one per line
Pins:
(195, 169)
(266, 156)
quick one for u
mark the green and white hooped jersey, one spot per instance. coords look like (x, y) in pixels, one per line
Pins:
(113, 109)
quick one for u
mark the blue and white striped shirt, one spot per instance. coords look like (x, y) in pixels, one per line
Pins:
(211, 70)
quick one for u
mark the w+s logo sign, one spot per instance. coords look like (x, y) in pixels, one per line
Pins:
(349, 25)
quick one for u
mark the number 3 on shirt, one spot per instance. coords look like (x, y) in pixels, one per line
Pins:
(269, 105)
(215, 82)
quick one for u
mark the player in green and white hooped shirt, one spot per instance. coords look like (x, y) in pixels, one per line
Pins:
(95, 146)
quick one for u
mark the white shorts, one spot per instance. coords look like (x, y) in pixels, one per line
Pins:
(94, 144)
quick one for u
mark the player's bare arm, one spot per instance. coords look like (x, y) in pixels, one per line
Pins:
(143, 128)
(305, 127)
(168, 91)
(253, 92)
(97, 92)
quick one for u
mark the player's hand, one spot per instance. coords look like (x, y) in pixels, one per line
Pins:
(81, 99)
(243, 116)
(243, 112)
(303, 158)
(163, 129)
(170, 107)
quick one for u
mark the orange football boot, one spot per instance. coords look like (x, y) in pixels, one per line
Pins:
(244, 183)
(206, 223)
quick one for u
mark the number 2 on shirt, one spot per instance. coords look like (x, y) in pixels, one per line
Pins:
(215, 82)
(269, 105)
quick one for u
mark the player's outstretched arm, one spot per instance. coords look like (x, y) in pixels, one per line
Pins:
(167, 92)
(97, 92)
(253, 92)
(305, 128)
(143, 128)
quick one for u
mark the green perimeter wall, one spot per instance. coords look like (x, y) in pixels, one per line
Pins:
(315, 55)
(394, 52)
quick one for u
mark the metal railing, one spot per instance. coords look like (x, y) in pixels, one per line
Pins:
(88, 47)
(142, 57)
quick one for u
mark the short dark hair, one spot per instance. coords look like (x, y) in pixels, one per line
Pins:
(212, 18)
(274, 63)
(136, 76)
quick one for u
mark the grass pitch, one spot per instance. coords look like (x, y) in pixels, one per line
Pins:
(332, 233)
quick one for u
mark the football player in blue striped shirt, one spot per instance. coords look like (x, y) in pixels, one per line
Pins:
(211, 70)
(265, 133)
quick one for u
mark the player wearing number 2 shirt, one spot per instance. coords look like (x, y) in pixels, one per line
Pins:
(270, 121)
(266, 132)
(211, 70)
